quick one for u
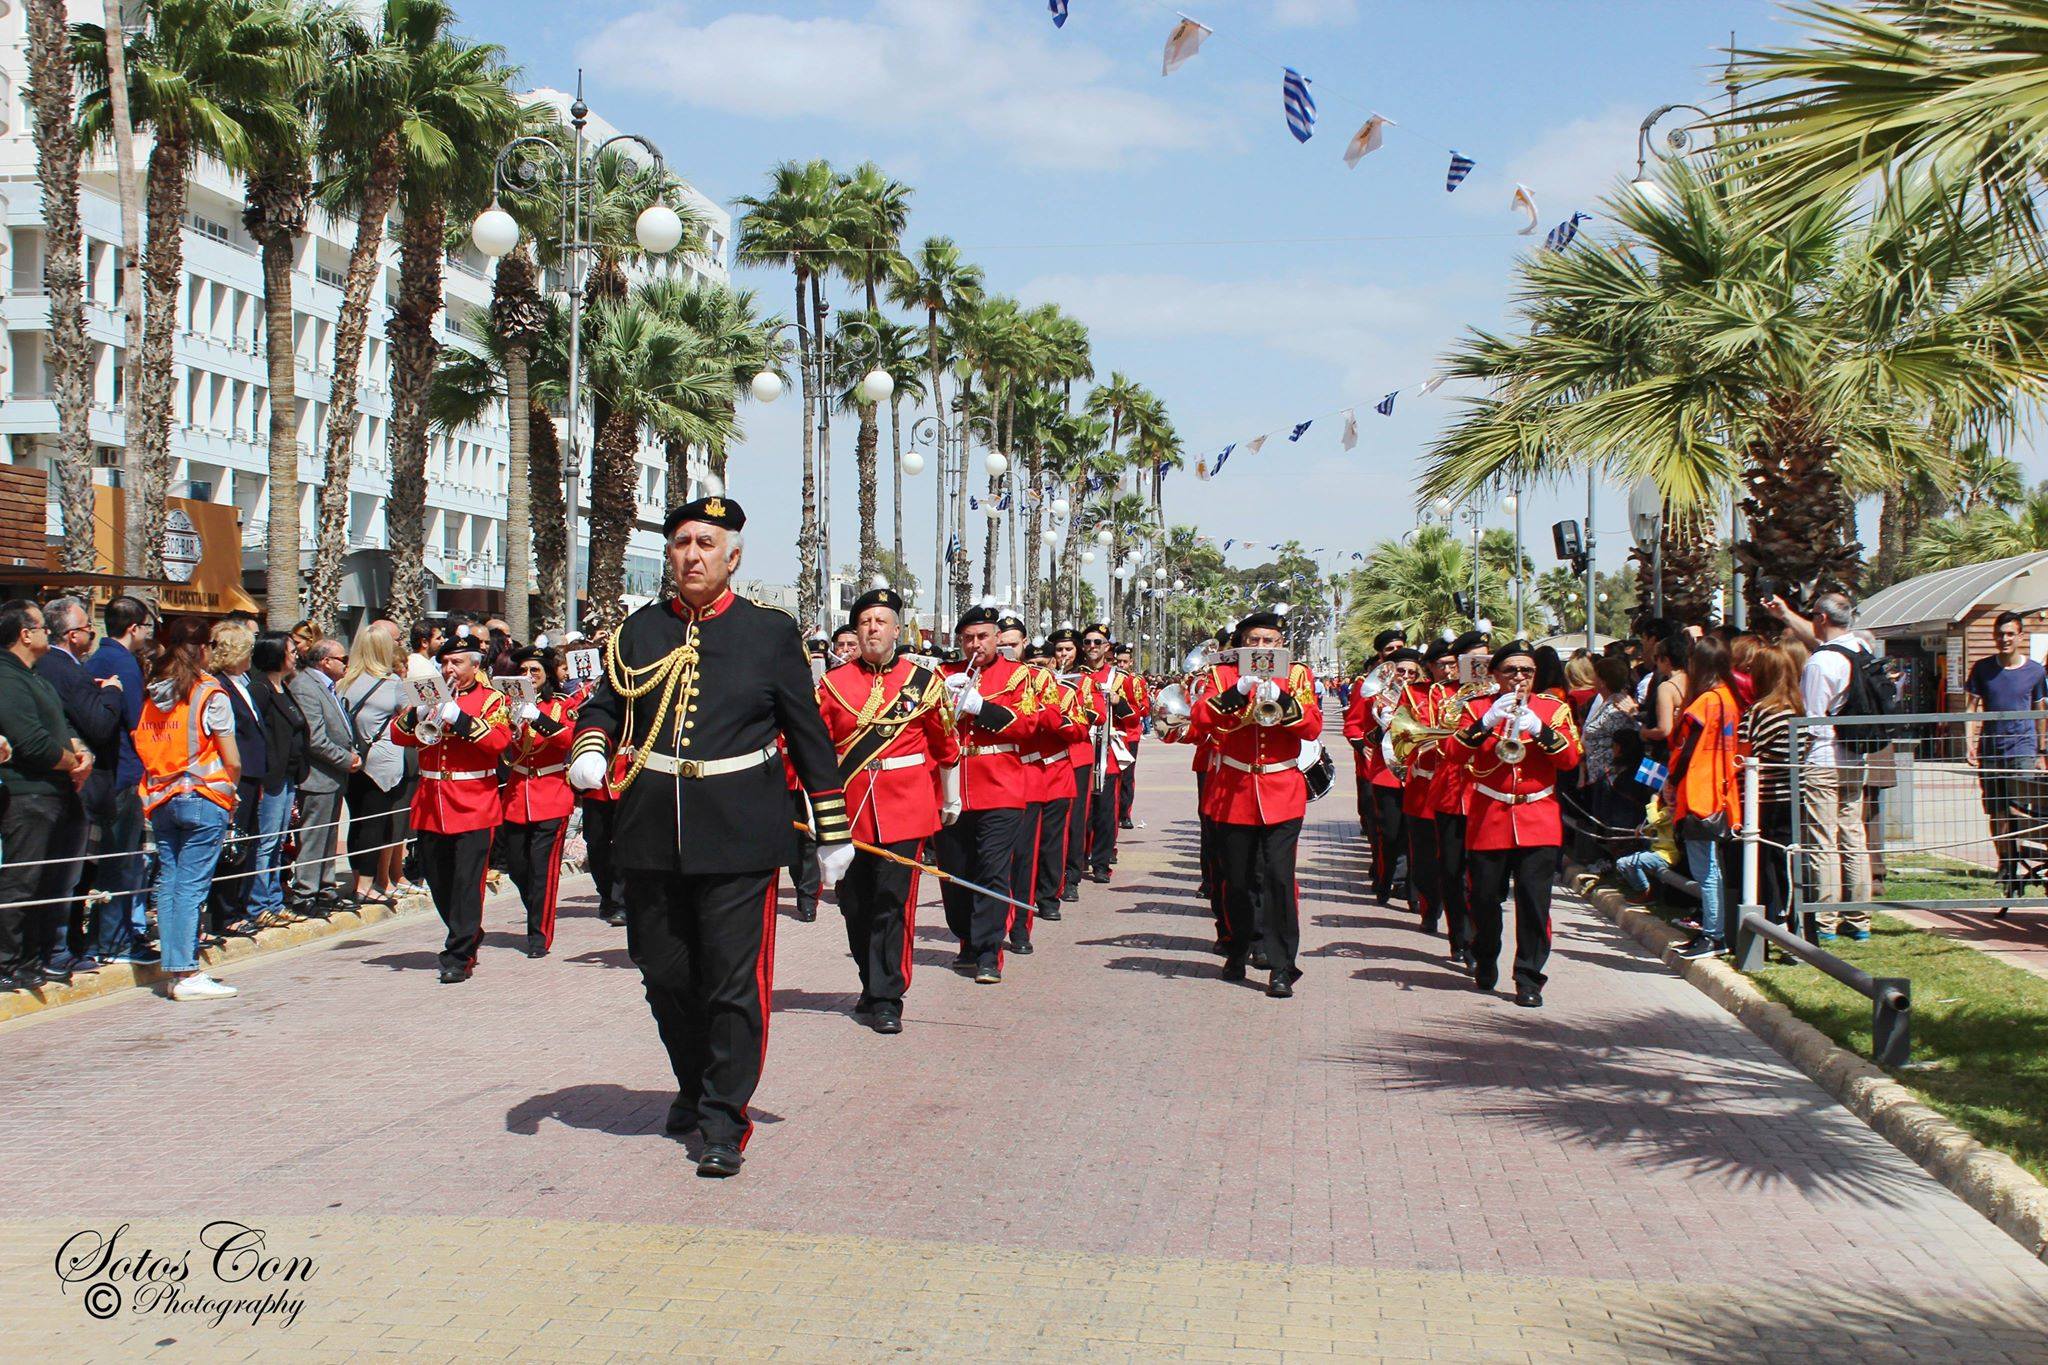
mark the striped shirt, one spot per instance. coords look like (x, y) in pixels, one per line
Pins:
(1767, 730)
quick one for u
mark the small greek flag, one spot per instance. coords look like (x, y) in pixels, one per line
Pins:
(1003, 503)
(1385, 407)
(952, 547)
(1299, 428)
(1059, 12)
(1461, 166)
(1561, 236)
(1652, 774)
(1221, 458)
(1228, 543)
(973, 503)
(1300, 105)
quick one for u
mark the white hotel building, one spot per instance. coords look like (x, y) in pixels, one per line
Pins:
(220, 420)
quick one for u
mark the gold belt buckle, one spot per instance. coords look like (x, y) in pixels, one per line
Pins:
(690, 768)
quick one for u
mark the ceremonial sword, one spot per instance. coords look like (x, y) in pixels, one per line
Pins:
(941, 874)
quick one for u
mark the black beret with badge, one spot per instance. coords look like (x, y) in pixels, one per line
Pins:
(713, 511)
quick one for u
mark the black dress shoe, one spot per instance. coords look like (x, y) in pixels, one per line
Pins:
(887, 1023)
(682, 1117)
(1459, 960)
(1022, 947)
(1233, 967)
(1260, 961)
(1431, 924)
(988, 974)
(536, 950)
(1485, 984)
(451, 976)
(1100, 874)
(807, 914)
(719, 1161)
(1071, 894)
(1528, 997)
(1281, 987)
(1050, 912)
(615, 918)
(1125, 824)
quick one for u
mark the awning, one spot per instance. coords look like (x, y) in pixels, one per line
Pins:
(1935, 601)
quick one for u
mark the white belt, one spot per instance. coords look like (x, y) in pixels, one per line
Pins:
(435, 776)
(693, 768)
(539, 772)
(973, 750)
(1244, 767)
(883, 765)
(1032, 758)
(1512, 798)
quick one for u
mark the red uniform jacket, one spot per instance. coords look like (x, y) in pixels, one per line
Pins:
(905, 729)
(1424, 701)
(1450, 790)
(1514, 805)
(1255, 780)
(1132, 726)
(458, 790)
(1115, 699)
(537, 765)
(1088, 706)
(1059, 727)
(992, 773)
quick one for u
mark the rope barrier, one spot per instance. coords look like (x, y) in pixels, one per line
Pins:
(149, 847)
(102, 897)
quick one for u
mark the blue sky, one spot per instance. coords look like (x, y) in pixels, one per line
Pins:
(1249, 280)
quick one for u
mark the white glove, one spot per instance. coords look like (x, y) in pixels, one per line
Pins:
(528, 714)
(955, 682)
(949, 794)
(587, 772)
(833, 861)
(969, 702)
(450, 713)
(1529, 723)
(1246, 684)
(1269, 691)
(1498, 712)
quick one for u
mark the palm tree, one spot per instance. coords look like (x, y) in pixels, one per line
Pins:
(941, 285)
(1419, 584)
(1985, 534)
(729, 324)
(795, 225)
(129, 286)
(643, 370)
(57, 153)
(212, 76)
(898, 354)
(464, 109)
(874, 210)
(1085, 462)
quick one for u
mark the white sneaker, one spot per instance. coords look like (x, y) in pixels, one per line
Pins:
(200, 986)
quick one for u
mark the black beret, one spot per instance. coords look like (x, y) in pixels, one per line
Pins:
(846, 629)
(1404, 656)
(718, 511)
(816, 648)
(461, 644)
(1065, 633)
(976, 616)
(1006, 622)
(1259, 620)
(1387, 637)
(1222, 635)
(880, 597)
(1437, 649)
(1510, 650)
(535, 654)
(1468, 642)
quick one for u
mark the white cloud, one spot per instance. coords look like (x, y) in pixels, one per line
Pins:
(945, 69)
(1570, 167)
(1308, 13)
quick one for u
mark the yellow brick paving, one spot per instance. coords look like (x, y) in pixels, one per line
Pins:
(533, 1289)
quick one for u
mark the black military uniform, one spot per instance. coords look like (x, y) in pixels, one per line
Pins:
(706, 700)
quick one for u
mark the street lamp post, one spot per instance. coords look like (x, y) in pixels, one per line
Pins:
(949, 442)
(1514, 505)
(1678, 140)
(659, 230)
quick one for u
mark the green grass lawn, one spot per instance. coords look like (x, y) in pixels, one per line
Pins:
(1980, 1028)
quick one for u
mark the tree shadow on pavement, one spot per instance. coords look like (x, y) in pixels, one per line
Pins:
(1204, 966)
(1193, 909)
(406, 962)
(600, 1108)
(1849, 1325)
(1642, 1085)
(1162, 942)
(602, 957)
(1409, 978)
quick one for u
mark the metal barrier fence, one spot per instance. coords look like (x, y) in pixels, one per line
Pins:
(1947, 810)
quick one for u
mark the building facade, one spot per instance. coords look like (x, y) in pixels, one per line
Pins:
(220, 421)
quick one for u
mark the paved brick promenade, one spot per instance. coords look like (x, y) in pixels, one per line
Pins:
(1111, 1155)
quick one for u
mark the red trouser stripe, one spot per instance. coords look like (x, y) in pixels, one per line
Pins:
(547, 909)
(910, 916)
(483, 881)
(764, 986)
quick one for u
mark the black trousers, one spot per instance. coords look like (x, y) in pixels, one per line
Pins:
(599, 821)
(1102, 825)
(1451, 890)
(878, 899)
(1024, 868)
(1052, 853)
(227, 899)
(37, 826)
(1077, 824)
(804, 871)
(1367, 812)
(1773, 862)
(454, 866)
(1390, 839)
(1259, 893)
(705, 947)
(1422, 892)
(1213, 878)
(533, 855)
(1127, 788)
(1534, 870)
(978, 846)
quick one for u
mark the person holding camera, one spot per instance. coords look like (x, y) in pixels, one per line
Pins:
(1831, 775)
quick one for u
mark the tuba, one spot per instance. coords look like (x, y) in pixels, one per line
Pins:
(1171, 712)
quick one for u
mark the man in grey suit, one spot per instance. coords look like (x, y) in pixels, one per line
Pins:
(333, 757)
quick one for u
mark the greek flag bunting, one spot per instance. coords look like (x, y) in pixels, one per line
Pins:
(1525, 203)
(1429, 386)
(1184, 42)
(1299, 428)
(1461, 166)
(1350, 429)
(1561, 236)
(1003, 503)
(1059, 12)
(973, 503)
(1252, 447)
(1385, 407)
(1367, 140)
(1221, 458)
(952, 547)
(1300, 105)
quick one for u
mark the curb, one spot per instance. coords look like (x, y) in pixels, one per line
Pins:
(1988, 1181)
(124, 976)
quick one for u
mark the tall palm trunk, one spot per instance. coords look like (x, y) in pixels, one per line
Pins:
(1034, 539)
(611, 517)
(818, 312)
(131, 269)
(163, 274)
(1691, 576)
(56, 137)
(550, 517)
(966, 443)
(275, 214)
(896, 466)
(350, 331)
(415, 351)
(1802, 523)
(942, 569)
(520, 317)
(864, 464)
(807, 540)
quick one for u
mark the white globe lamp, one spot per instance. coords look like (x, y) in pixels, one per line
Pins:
(495, 232)
(1087, 556)
(913, 463)
(876, 386)
(1105, 536)
(996, 465)
(1060, 507)
(658, 229)
(766, 386)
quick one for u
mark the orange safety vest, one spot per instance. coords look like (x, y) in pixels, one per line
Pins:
(178, 755)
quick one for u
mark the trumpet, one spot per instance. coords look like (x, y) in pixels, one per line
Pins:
(1271, 712)
(1511, 746)
(430, 729)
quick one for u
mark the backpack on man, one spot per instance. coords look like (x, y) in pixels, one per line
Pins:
(1869, 694)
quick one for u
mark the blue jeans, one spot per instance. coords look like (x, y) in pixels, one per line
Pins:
(273, 814)
(1704, 857)
(1636, 869)
(189, 832)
